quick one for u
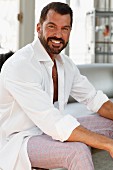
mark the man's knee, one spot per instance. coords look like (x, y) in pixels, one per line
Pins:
(79, 147)
(78, 155)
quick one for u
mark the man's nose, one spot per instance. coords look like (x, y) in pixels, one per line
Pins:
(58, 33)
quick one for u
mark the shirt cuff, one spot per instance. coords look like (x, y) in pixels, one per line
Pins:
(99, 99)
(65, 126)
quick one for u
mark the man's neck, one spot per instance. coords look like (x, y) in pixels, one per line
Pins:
(53, 56)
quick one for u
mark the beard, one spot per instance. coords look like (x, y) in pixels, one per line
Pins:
(51, 48)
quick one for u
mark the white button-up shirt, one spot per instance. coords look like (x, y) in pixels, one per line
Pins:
(26, 102)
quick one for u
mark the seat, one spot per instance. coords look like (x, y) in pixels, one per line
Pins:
(4, 57)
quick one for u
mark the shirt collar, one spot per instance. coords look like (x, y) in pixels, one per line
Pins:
(41, 53)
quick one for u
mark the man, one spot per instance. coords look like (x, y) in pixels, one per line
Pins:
(35, 86)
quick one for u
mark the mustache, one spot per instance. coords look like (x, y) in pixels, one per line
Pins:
(57, 39)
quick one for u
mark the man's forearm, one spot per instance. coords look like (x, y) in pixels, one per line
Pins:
(80, 134)
(106, 110)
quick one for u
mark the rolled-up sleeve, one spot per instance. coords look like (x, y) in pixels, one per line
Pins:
(83, 91)
(97, 101)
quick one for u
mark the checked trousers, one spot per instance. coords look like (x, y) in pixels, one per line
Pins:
(44, 152)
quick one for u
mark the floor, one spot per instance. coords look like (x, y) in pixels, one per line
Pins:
(102, 160)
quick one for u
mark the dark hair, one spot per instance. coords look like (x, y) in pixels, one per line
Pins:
(58, 7)
(4, 57)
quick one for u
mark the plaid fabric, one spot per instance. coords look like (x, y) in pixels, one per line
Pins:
(47, 153)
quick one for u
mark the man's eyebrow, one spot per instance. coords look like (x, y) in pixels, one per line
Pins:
(55, 24)
(67, 26)
(51, 23)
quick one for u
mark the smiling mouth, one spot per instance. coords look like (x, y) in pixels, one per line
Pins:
(56, 41)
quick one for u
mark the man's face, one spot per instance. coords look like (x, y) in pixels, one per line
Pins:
(54, 32)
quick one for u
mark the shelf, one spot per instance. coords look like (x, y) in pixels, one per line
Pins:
(104, 13)
(104, 42)
(101, 25)
(103, 53)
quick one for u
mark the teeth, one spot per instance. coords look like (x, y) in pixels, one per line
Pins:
(55, 41)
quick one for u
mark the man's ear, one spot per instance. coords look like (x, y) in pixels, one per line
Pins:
(38, 28)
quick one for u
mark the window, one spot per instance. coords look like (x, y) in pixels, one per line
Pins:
(78, 41)
(8, 25)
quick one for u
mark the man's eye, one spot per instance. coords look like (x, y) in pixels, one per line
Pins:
(65, 29)
(51, 26)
